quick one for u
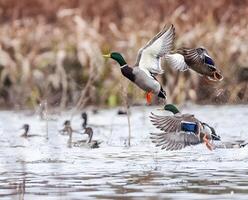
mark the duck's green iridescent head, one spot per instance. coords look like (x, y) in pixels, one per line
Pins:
(117, 57)
(171, 108)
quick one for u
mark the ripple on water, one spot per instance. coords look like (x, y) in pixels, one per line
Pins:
(48, 169)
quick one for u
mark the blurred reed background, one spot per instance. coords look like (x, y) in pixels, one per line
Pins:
(52, 50)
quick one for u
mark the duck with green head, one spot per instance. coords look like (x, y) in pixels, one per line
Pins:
(148, 62)
(142, 78)
(181, 130)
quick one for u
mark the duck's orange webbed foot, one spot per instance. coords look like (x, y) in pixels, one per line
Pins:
(207, 143)
(148, 98)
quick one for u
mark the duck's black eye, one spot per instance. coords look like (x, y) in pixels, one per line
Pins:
(208, 61)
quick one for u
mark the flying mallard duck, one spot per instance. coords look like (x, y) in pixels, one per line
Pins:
(197, 59)
(89, 142)
(181, 130)
(148, 61)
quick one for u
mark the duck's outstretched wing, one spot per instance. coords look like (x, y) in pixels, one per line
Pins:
(176, 61)
(171, 123)
(174, 140)
(183, 58)
(149, 56)
(196, 56)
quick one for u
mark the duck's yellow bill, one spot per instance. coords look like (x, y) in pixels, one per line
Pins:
(106, 56)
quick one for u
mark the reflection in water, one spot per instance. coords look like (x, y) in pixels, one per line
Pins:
(36, 168)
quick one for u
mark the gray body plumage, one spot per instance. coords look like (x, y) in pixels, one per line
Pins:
(146, 82)
(148, 61)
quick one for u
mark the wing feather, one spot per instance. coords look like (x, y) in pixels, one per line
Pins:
(176, 61)
(171, 123)
(191, 56)
(149, 56)
(175, 140)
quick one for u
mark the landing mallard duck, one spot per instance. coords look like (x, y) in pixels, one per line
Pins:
(181, 130)
(148, 61)
(89, 142)
(197, 59)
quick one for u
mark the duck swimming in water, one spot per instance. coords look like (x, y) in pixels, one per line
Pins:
(67, 130)
(89, 142)
(181, 130)
(26, 128)
(148, 62)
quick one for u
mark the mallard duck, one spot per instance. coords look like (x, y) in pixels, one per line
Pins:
(181, 130)
(26, 128)
(147, 65)
(197, 59)
(67, 130)
(89, 142)
(148, 61)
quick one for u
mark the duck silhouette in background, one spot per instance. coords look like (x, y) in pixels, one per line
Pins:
(26, 134)
(88, 142)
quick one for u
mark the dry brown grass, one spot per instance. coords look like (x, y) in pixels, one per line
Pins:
(49, 48)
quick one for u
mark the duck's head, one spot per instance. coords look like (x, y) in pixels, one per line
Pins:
(67, 123)
(117, 57)
(172, 108)
(84, 117)
(210, 130)
(208, 69)
(25, 127)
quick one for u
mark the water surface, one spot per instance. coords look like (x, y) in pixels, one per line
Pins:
(40, 168)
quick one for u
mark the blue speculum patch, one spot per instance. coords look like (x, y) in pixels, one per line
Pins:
(189, 127)
(209, 61)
